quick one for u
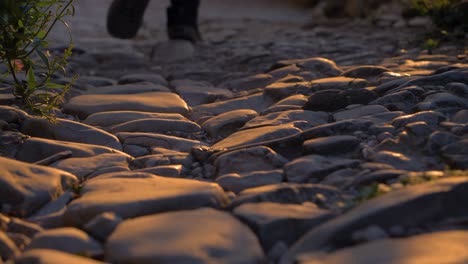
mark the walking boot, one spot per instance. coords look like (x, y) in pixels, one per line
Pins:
(125, 17)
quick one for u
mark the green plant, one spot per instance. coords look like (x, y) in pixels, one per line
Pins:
(24, 27)
(448, 15)
(430, 45)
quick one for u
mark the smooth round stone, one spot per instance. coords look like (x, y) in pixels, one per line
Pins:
(8, 249)
(365, 72)
(315, 167)
(281, 118)
(275, 222)
(199, 92)
(107, 119)
(258, 134)
(132, 194)
(282, 90)
(248, 160)
(461, 117)
(340, 83)
(237, 183)
(407, 203)
(285, 71)
(331, 145)
(324, 67)
(66, 130)
(130, 88)
(225, 124)
(436, 247)
(24, 187)
(160, 102)
(248, 83)
(147, 77)
(157, 125)
(197, 236)
(67, 239)
(358, 112)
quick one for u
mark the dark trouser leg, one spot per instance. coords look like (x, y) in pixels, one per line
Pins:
(182, 20)
(124, 17)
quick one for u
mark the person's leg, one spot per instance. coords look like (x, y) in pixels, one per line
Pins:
(124, 17)
(182, 20)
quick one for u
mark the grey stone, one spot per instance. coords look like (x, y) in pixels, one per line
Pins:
(335, 99)
(145, 77)
(133, 194)
(285, 71)
(96, 81)
(274, 222)
(289, 193)
(47, 256)
(10, 143)
(161, 102)
(359, 112)
(128, 89)
(333, 145)
(439, 79)
(197, 236)
(83, 167)
(50, 215)
(254, 135)
(431, 118)
(365, 72)
(461, 117)
(67, 239)
(154, 160)
(20, 226)
(249, 160)
(248, 83)
(12, 115)
(410, 204)
(236, 183)
(276, 119)
(439, 139)
(157, 125)
(280, 90)
(227, 123)
(399, 101)
(150, 140)
(313, 168)
(8, 249)
(173, 171)
(108, 119)
(102, 226)
(257, 102)
(325, 67)
(36, 149)
(345, 127)
(442, 100)
(199, 92)
(66, 130)
(26, 187)
(339, 83)
(437, 247)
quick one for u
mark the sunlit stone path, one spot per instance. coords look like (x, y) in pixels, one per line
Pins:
(269, 142)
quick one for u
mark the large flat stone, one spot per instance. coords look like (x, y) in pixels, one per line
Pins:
(111, 118)
(410, 205)
(152, 140)
(24, 187)
(275, 222)
(280, 118)
(66, 239)
(83, 167)
(161, 102)
(438, 247)
(131, 194)
(255, 135)
(198, 236)
(36, 149)
(71, 131)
